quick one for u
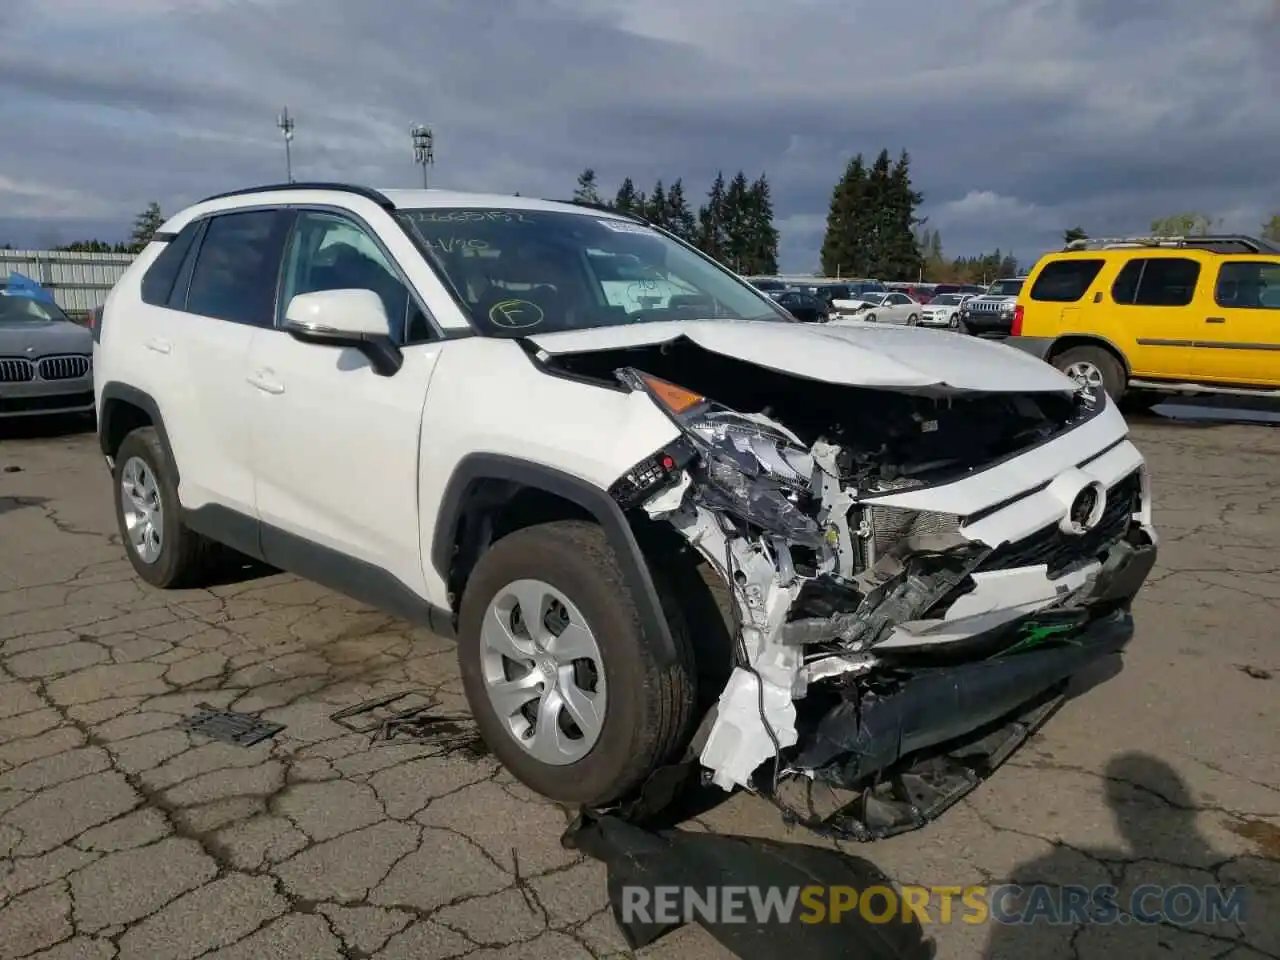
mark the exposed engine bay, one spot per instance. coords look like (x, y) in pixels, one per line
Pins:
(907, 569)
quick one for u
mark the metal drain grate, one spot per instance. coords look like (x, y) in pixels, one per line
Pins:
(242, 729)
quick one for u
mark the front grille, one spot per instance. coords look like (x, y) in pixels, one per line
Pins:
(890, 525)
(63, 368)
(1061, 551)
(16, 370)
(988, 306)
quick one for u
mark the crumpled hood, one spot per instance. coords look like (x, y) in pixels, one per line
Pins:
(904, 358)
(54, 337)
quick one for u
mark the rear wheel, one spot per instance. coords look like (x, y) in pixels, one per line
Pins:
(162, 550)
(565, 689)
(913, 320)
(1093, 367)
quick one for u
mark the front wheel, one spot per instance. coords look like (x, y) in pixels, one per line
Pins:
(1093, 367)
(565, 689)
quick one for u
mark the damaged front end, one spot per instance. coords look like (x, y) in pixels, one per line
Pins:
(913, 576)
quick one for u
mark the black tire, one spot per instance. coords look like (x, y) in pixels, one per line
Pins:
(913, 320)
(649, 712)
(1114, 378)
(185, 557)
(870, 318)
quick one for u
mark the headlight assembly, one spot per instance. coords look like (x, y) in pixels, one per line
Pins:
(750, 469)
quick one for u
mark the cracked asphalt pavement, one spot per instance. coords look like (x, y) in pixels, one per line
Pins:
(122, 835)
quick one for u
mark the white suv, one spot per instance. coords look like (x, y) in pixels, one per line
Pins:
(665, 522)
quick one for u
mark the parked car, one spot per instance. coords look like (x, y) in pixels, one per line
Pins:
(879, 308)
(920, 293)
(804, 306)
(944, 310)
(768, 285)
(833, 548)
(45, 357)
(1144, 318)
(991, 314)
(964, 288)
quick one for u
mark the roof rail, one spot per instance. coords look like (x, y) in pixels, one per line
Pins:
(605, 208)
(1218, 243)
(381, 199)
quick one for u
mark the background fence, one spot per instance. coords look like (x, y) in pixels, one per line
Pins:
(79, 282)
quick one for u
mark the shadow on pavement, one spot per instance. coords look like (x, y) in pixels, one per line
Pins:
(1211, 411)
(9, 504)
(640, 861)
(1155, 814)
(46, 428)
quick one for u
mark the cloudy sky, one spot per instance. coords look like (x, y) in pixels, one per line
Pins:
(1023, 117)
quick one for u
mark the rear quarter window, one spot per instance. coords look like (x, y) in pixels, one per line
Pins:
(1065, 281)
(157, 282)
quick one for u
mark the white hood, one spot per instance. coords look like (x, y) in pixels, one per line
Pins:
(904, 358)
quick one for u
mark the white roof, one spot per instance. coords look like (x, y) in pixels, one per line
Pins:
(402, 199)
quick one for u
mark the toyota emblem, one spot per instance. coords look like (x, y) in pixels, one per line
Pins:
(1086, 510)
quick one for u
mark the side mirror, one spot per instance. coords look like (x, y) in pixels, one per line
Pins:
(346, 318)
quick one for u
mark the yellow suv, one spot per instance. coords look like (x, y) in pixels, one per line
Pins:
(1149, 316)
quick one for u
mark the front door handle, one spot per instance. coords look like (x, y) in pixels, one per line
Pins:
(1215, 319)
(262, 380)
(158, 345)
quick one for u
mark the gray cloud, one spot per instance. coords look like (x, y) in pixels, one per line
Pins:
(1022, 117)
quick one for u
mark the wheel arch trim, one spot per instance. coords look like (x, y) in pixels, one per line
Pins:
(114, 393)
(1073, 340)
(477, 468)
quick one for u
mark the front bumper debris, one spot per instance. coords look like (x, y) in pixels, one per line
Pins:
(914, 752)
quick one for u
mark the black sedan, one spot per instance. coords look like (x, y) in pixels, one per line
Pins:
(804, 306)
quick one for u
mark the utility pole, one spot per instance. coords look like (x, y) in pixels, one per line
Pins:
(423, 149)
(285, 123)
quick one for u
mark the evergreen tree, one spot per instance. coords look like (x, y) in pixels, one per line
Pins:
(1008, 266)
(680, 219)
(844, 246)
(588, 189)
(1072, 234)
(711, 236)
(763, 254)
(145, 226)
(627, 199)
(892, 203)
(655, 208)
(738, 224)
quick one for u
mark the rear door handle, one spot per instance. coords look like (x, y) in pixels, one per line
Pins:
(262, 380)
(1215, 319)
(158, 345)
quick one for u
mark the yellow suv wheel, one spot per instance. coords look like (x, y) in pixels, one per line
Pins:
(1095, 367)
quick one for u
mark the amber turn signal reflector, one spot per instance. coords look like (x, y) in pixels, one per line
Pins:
(676, 399)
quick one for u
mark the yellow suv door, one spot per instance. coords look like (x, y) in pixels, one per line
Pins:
(1157, 312)
(1239, 339)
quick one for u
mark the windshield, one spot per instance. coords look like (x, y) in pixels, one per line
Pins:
(1005, 288)
(23, 309)
(518, 272)
(948, 300)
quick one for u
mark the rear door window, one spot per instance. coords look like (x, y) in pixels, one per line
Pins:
(238, 266)
(1065, 281)
(1167, 282)
(1248, 285)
